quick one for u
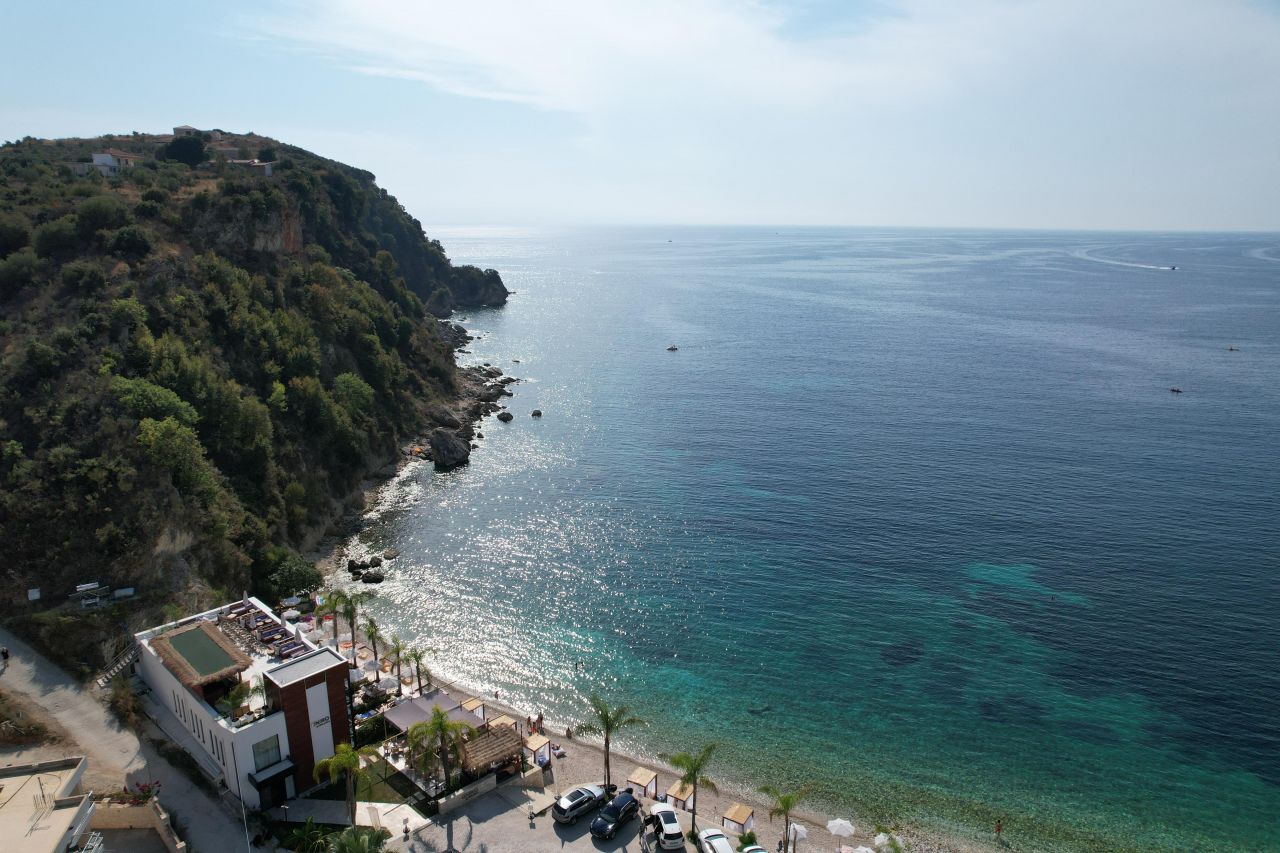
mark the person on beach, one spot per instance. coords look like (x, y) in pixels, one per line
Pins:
(539, 721)
(999, 827)
(4, 655)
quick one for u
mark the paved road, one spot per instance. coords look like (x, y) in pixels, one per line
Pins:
(206, 823)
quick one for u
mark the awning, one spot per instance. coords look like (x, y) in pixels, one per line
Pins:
(267, 774)
(490, 747)
(405, 714)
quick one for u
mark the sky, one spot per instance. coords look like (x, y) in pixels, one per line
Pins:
(1127, 114)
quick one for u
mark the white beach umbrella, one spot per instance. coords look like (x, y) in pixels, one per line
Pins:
(863, 850)
(881, 840)
(840, 828)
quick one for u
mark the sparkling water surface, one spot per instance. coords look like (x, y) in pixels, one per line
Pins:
(910, 517)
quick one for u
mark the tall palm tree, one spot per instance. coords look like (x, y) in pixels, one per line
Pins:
(606, 721)
(441, 737)
(416, 657)
(374, 634)
(691, 767)
(784, 803)
(396, 646)
(345, 761)
(351, 604)
(332, 606)
(359, 839)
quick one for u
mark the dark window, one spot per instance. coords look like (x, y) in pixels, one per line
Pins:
(266, 752)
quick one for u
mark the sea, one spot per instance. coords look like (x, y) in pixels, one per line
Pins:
(913, 519)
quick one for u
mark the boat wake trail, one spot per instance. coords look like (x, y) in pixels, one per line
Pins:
(1084, 255)
(1264, 255)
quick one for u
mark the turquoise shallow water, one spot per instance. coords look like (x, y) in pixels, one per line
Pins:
(911, 517)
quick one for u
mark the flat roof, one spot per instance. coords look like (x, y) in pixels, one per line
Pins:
(306, 666)
(37, 810)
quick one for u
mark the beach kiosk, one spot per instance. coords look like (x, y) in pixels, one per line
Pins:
(537, 748)
(644, 781)
(680, 795)
(504, 720)
(739, 818)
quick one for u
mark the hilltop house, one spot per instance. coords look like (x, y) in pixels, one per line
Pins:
(110, 162)
(188, 130)
(262, 744)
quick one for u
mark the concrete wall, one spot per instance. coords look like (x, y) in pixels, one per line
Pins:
(147, 816)
(460, 798)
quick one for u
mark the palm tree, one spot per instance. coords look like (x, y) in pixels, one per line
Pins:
(784, 803)
(605, 721)
(345, 761)
(691, 766)
(243, 693)
(416, 657)
(396, 646)
(307, 838)
(351, 604)
(442, 733)
(371, 631)
(359, 839)
(333, 599)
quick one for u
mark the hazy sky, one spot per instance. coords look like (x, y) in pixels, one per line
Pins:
(1040, 113)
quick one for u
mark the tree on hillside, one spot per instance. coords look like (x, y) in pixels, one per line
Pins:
(184, 149)
(606, 721)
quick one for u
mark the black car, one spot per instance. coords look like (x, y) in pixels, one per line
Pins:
(620, 810)
(579, 801)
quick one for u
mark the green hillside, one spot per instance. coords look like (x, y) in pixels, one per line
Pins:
(198, 364)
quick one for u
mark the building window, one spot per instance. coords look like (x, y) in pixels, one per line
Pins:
(266, 752)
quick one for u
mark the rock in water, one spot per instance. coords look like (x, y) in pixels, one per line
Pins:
(390, 554)
(375, 562)
(372, 577)
(506, 417)
(447, 449)
(537, 413)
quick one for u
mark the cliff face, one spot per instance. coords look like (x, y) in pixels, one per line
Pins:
(197, 364)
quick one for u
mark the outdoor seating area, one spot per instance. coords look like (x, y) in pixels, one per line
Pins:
(257, 633)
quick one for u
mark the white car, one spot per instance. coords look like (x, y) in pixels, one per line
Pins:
(754, 848)
(714, 841)
(666, 826)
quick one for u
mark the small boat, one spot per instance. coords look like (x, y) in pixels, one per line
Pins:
(1175, 390)
(1233, 349)
(672, 348)
(1173, 268)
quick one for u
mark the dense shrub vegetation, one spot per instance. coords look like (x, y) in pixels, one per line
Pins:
(196, 366)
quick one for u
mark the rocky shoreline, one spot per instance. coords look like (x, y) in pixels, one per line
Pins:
(451, 433)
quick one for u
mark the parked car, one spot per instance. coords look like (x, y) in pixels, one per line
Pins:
(754, 848)
(714, 841)
(578, 802)
(619, 810)
(666, 826)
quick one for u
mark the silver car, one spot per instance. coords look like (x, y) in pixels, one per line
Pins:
(579, 801)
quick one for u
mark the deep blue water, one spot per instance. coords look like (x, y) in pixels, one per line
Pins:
(911, 517)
